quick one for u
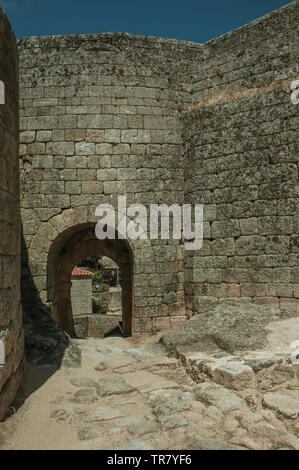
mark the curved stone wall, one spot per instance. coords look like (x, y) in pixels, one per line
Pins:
(11, 333)
(100, 117)
(241, 154)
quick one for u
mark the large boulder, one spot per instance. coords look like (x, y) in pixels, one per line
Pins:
(230, 326)
(284, 402)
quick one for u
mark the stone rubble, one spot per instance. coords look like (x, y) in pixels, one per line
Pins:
(266, 372)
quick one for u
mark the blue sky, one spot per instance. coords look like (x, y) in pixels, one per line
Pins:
(189, 20)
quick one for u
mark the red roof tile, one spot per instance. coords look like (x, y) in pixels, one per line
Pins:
(79, 272)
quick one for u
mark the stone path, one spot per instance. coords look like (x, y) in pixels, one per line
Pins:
(132, 396)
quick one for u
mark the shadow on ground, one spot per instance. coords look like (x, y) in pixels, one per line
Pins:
(46, 345)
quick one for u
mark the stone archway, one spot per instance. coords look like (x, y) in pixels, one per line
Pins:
(62, 242)
(156, 292)
(72, 246)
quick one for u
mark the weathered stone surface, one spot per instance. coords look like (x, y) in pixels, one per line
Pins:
(230, 327)
(72, 355)
(233, 375)
(11, 327)
(62, 416)
(283, 333)
(85, 395)
(163, 406)
(2, 353)
(104, 413)
(277, 438)
(117, 361)
(212, 444)
(259, 363)
(204, 304)
(84, 382)
(285, 402)
(95, 325)
(145, 381)
(210, 394)
(172, 422)
(135, 445)
(276, 375)
(113, 385)
(87, 433)
(212, 416)
(126, 421)
(143, 426)
(152, 139)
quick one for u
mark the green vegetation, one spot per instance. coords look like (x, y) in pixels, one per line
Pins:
(97, 307)
(97, 278)
(219, 72)
(98, 283)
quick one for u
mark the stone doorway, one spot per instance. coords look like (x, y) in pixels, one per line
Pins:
(69, 248)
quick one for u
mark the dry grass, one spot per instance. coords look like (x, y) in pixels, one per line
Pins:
(230, 95)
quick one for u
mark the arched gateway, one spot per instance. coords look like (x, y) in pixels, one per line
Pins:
(67, 250)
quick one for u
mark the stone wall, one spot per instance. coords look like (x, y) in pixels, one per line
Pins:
(96, 325)
(81, 292)
(257, 55)
(164, 121)
(241, 158)
(111, 299)
(11, 332)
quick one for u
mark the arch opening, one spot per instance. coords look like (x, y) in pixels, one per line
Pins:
(71, 247)
(96, 297)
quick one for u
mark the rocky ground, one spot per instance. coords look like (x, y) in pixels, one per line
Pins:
(132, 395)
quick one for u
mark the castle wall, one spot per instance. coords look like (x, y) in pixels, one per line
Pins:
(259, 54)
(100, 117)
(163, 121)
(11, 332)
(241, 157)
